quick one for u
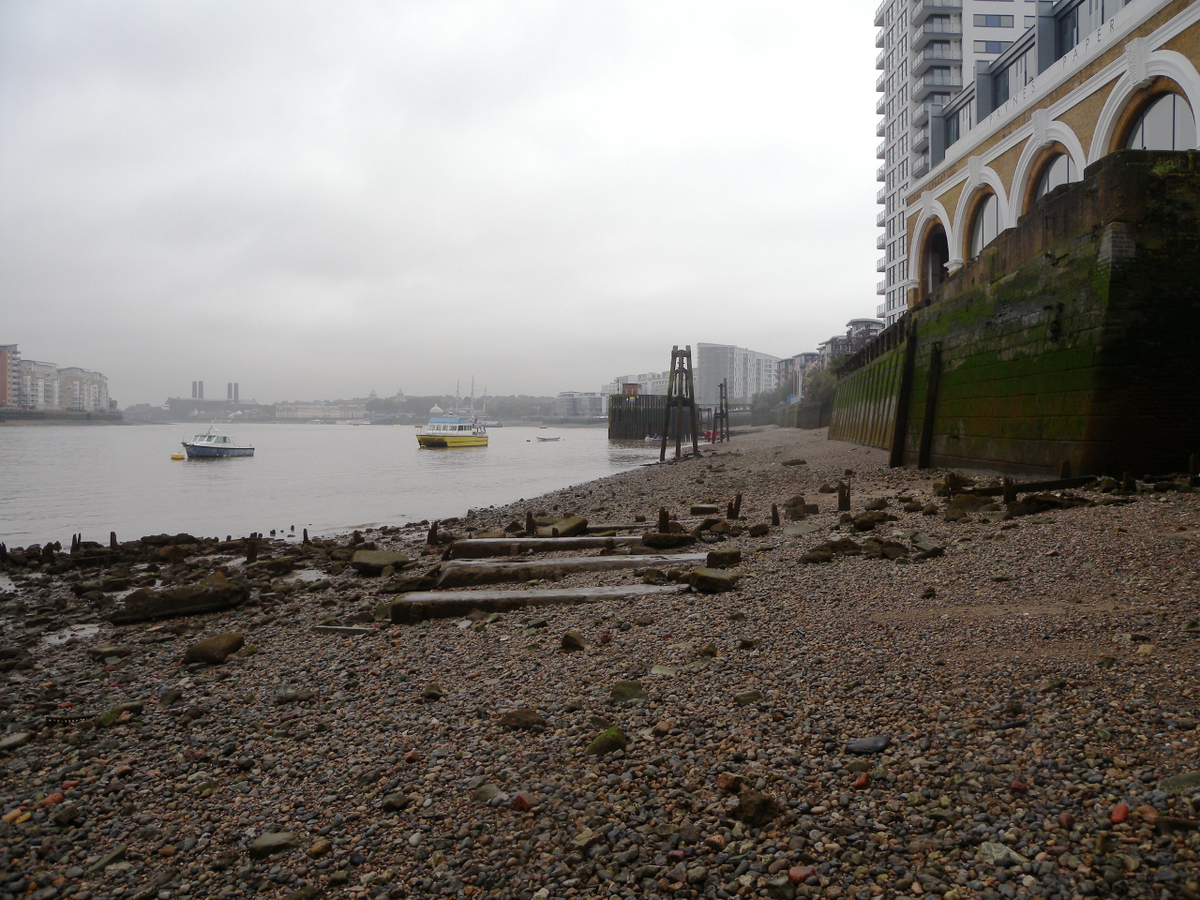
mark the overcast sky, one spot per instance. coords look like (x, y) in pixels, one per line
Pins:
(320, 199)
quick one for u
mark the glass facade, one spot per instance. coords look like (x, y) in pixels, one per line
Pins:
(986, 224)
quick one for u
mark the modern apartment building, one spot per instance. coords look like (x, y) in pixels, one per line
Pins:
(82, 389)
(928, 50)
(10, 383)
(746, 373)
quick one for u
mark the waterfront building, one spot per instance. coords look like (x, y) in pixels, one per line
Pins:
(791, 371)
(928, 50)
(82, 389)
(10, 381)
(575, 404)
(320, 411)
(746, 372)
(1088, 78)
(38, 385)
(655, 383)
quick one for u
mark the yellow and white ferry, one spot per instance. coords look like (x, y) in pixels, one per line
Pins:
(452, 431)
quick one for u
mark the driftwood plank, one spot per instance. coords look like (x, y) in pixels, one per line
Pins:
(465, 573)
(451, 604)
(474, 548)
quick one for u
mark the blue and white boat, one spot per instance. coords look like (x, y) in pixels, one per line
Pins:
(214, 445)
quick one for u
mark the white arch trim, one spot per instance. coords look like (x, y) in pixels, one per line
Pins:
(981, 176)
(1165, 63)
(1055, 133)
(931, 211)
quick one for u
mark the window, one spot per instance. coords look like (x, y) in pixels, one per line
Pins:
(992, 46)
(1166, 124)
(986, 224)
(1030, 21)
(993, 21)
(1060, 170)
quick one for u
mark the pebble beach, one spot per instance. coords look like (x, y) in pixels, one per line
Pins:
(938, 700)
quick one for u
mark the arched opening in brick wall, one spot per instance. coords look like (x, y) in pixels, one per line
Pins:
(1053, 168)
(935, 253)
(1157, 117)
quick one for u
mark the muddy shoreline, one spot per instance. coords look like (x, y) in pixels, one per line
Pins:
(943, 699)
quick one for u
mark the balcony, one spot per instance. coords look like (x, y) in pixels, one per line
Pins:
(881, 218)
(881, 195)
(879, 12)
(926, 8)
(921, 113)
(881, 151)
(880, 82)
(880, 128)
(921, 169)
(936, 83)
(936, 30)
(941, 53)
(881, 242)
(880, 58)
(881, 264)
(881, 310)
(880, 106)
(921, 141)
(881, 287)
(881, 173)
(879, 39)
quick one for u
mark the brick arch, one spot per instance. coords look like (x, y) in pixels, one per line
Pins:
(980, 182)
(1165, 71)
(931, 222)
(1058, 138)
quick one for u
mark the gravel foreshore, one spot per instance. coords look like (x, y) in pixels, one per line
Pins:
(1008, 708)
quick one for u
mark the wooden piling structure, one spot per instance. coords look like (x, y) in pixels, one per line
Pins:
(681, 395)
(720, 429)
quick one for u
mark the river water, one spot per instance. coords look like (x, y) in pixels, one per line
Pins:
(59, 481)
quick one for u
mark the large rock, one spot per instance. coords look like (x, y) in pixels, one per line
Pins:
(216, 649)
(523, 720)
(571, 526)
(609, 741)
(713, 581)
(214, 594)
(273, 842)
(373, 562)
(626, 690)
(756, 808)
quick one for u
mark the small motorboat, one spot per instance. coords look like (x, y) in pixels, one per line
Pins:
(214, 445)
(548, 440)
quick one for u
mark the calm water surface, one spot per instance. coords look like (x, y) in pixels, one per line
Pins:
(58, 481)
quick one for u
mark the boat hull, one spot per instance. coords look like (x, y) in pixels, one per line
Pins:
(195, 451)
(451, 441)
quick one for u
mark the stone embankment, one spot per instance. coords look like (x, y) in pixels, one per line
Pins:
(954, 696)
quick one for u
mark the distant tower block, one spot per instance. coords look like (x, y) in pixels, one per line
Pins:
(201, 385)
(193, 390)
(235, 392)
(229, 390)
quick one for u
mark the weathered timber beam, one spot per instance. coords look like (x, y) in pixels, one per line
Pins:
(466, 573)
(1031, 487)
(418, 607)
(469, 548)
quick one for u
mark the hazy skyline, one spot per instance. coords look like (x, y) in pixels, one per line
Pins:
(318, 199)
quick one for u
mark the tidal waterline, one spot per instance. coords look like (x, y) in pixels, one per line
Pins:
(59, 481)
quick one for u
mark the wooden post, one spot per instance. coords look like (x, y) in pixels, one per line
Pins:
(843, 496)
(900, 429)
(306, 542)
(774, 513)
(1010, 490)
(252, 550)
(530, 524)
(737, 505)
(432, 537)
(664, 521)
(925, 450)
(112, 540)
